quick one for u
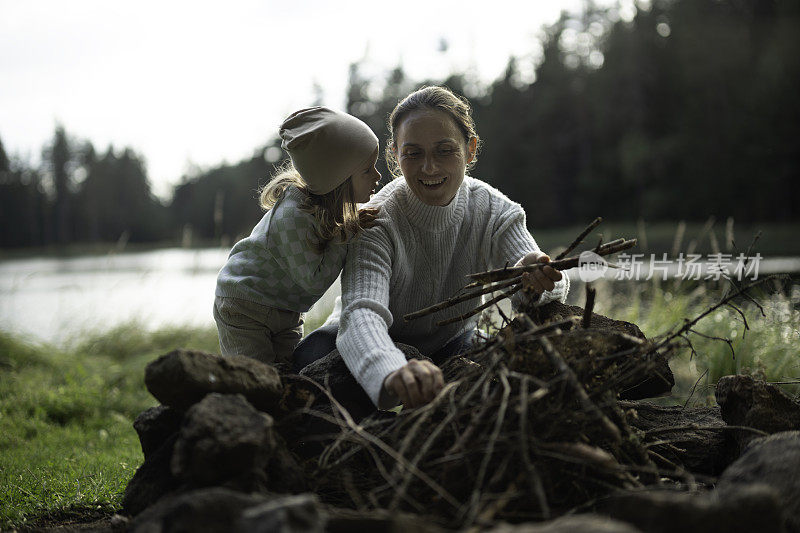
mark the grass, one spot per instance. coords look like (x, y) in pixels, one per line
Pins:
(66, 435)
(767, 350)
(68, 448)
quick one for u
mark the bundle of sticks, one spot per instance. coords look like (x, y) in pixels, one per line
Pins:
(510, 278)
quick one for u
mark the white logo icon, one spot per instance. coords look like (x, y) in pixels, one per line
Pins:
(591, 266)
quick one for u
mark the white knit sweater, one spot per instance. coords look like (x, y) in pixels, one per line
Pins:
(415, 256)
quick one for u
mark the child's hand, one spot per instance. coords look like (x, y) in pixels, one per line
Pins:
(367, 216)
(540, 280)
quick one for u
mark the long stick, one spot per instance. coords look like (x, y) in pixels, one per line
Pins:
(561, 264)
(596, 222)
(508, 276)
(506, 294)
(462, 298)
(489, 277)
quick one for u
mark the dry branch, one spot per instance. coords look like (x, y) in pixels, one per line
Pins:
(579, 239)
(493, 280)
(462, 298)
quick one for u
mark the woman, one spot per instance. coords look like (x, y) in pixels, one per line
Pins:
(435, 226)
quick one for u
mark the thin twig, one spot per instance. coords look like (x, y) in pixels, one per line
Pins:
(501, 414)
(691, 393)
(385, 448)
(574, 244)
(690, 323)
(562, 264)
(588, 307)
(535, 479)
(703, 428)
(462, 298)
(506, 294)
(557, 361)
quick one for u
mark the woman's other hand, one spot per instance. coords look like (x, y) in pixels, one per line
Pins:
(416, 383)
(367, 216)
(540, 280)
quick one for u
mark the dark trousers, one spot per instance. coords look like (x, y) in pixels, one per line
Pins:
(322, 341)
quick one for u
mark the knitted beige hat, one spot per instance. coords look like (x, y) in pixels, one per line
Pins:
(326, 146)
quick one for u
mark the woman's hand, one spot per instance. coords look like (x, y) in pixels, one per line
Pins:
(416, 383)
(540, 280)
(367, 216)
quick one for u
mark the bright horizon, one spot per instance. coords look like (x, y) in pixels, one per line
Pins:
(195, 84)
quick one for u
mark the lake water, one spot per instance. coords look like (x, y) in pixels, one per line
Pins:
(54, 299)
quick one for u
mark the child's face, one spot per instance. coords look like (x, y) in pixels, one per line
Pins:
(366, 178)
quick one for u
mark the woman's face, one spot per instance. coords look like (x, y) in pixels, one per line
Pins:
(433, 155)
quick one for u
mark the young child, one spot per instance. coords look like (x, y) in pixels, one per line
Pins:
(298, 248)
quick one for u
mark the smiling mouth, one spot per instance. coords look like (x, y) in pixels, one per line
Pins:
(433, 183)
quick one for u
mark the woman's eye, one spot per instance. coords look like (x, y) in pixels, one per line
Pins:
(412, 154)
(446, 151)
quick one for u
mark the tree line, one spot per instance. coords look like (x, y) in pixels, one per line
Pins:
(690, 109)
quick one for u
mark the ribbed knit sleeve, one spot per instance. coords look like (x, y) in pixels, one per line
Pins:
(363, 339)
(512, 242)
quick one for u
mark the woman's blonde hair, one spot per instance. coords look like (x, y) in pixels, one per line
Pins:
(335, 213)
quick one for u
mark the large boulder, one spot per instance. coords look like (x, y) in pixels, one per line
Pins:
(755, 508)
(692, 437)
(585, 523)
(224, 440)
(155, 425)
(623, 363)
(620, 345)
(557, 311)
(182, 378)
(379, 521)
(745, 401)
(212, 510)
(152, 481)
(300, 513)
(775, 462)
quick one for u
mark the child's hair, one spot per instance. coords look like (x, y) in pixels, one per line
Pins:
(335, 213)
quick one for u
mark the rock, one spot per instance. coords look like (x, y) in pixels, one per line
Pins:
(211, 510)
(155, 425)
(379, 521)
(586, 523)
(644, 376)
(704, 450)
(224, 440)
(668, 511)
(332, 372)
(745, 401)
(289, 514)
(152, 480)
(182, 378)
(775, 462)
(620, 360)
(557, 311)
(284, 473)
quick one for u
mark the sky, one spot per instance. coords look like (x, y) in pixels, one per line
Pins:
(195, 84)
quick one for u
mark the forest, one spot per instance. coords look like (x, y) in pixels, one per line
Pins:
(689, 110)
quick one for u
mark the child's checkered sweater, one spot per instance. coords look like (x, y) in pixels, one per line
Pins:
(275, 265)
